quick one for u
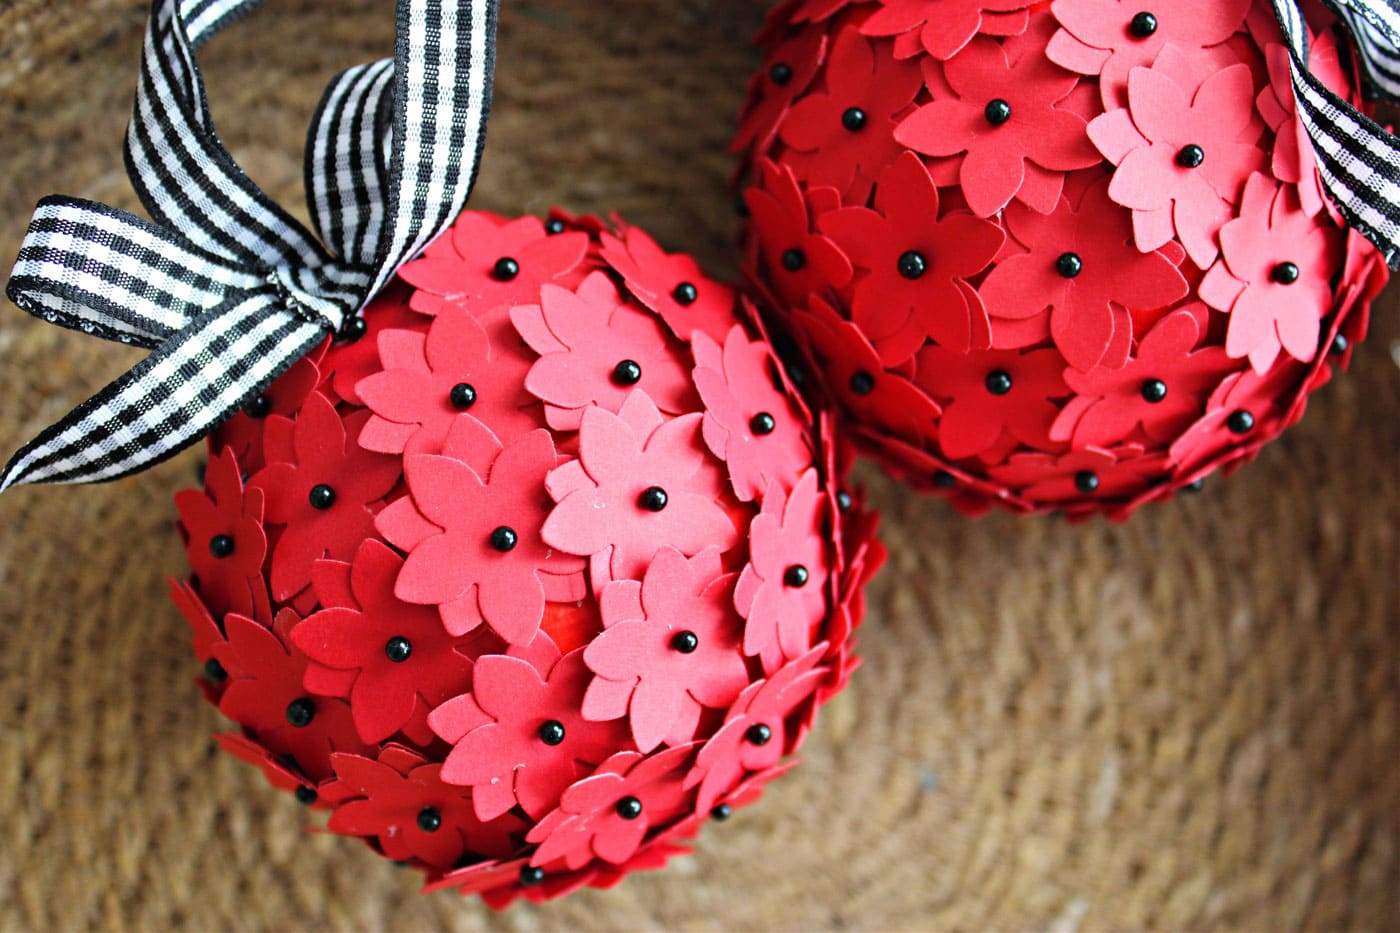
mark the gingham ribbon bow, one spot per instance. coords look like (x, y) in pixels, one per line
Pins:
(226, 289)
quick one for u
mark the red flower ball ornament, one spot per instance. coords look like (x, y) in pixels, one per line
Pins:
(533, 573)
(1027, 251)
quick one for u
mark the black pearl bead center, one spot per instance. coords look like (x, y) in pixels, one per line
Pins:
(1285, 273)
(531, 875)
(862, 383)
(429, 819)
(353, 329)
(759, 734)
(505, 269)
(1190, 156)
(998, 382)
(629, 807)
(780, 73)
(685, 294)
(853, 119)
(554, 226)
(762, 424)
(722, 812)
(912, 264)
(653, 499)
(1143, 25)
(1153, 391)
(306, 796)
(796, 576)
(259, 407)
(1069, 265)
(997, 111)
(552, 732)
(627, 373)
(504, 538)
(301, 711)
(1086, 481)
(322, 497)
(685, 642)
(1240, 421)
(215, 671)
(793, 259)
(462, 396)
(397, 649)
(221, 546)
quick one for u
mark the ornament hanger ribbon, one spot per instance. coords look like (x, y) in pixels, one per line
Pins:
(1359, 160)
(226, 289)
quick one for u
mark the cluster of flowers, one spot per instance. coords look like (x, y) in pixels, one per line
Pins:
(1071, 256)
(534, 568)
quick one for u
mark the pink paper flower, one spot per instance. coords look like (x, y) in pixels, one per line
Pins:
(671, 284)
(992, 393)
(636, 487)
(782, 590)
(1269, 278)
(224, 540)
(915, 265)
(670, 646)
(1003, 117)
(519, 738)
(798, 260)
(1293, 161)
(595, 350)
(942, 28)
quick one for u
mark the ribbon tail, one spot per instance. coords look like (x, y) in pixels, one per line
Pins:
(185, 388)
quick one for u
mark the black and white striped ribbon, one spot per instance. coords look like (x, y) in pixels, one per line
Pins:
(225, 288)
(1358, 159)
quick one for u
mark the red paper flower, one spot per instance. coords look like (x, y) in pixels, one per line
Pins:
(274, 770)
(356, 351)
(608, 814)
(399, 653)
(1003, 117)
(1245, 410)
(1293, 160)
(782, 589)
(798, 261)
(1109, 38)
(844, 136)
(320, 490)
(430, 381)
(224, 540)
(637, 487)
(1071, 478)
(414, 815)
(789, 70)
(520, 737)
(482, 558)
(595, 350)
(749, 424)
(1081, 264)
(942, 28)
(671, 284)
(670, 645)
(243, 433)
(1181, 155)
(990, 393)
(485, 262)
(914, 265)
(1267, 278)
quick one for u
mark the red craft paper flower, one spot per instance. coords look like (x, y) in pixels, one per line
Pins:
(798, 260)
(671, 284)
(915, 265)
(607, 815)
(1245, 410)
(224, 540)
(1004, 119)
(942, 28)
(520, 738)
(1182, 154)
(474, 544)
(1110, 38)
(749, 423)
(412, 814)
(1293, 160)
(670, 646)
(1267, 278)
(357, 351)
(792, 65)
(1162, 389)
(992, 392)
(399, 653)
(320, 490)
(1073, 477)
(781, 591)
(273, 770)
(596, 350)
(243, 433)
(1081, 264)
(428, 382)
(844, 136)
(636, 488)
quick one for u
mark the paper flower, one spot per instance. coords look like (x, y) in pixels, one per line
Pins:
(1087, 218)
(491, 639)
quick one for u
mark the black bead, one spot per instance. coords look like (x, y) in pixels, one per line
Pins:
(944, 480)
(844, 501)
(1086, 481)
(1153, 391)
(504, 538)
(997, 111)
(685, 294)
(862, 383)
(305, 795)
(322, 497)
(741, 207)
(554, 226)
(505, 269)
(780, 73)
(259, 407)
(301, 711)
(215, 671)
(397, 649)
(352, 329)
(1190, 156)
(1069, 265)
(912, 264)
(762, 423)
(796, 576)
(759, 734)
(1285, 273)
(722, 812)
(1339, 344)
(793, 259)
(462, 396)
(653, 499)
(429, 819)
(998, 382)
(530, 875)
(1143, 25)
(221, 546)
(552, 732)
(685, 642)
(629, 807)
(853, 119)
(1240, 421)
(627, 373)
(1193, 487)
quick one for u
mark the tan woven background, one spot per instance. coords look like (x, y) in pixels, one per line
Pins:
(1186, 722)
